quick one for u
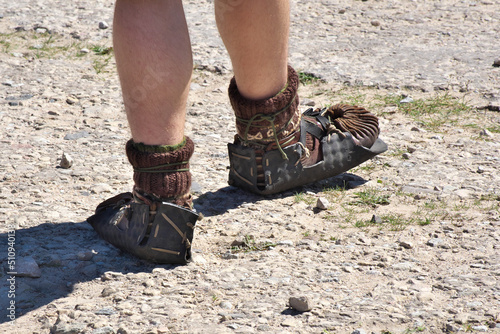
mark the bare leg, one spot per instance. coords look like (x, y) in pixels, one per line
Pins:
(255, 33)
(154, 61)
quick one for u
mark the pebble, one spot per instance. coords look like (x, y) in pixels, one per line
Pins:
(103, 25)
(496, 63)
(486, 133)
(226, 305)
(104, 330)
(290, 322)
(435, 242)
(301, 304)
(322, 203)
(77, 135)
(358, 331)
(108, 291)
(406, 244)
(376, 219)
(66, 161)
(461, 318)
(65, 328)
(407, 99)
(27, 267)
(480, 328)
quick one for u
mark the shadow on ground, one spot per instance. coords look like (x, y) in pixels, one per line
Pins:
(219, 202)
(67, 254)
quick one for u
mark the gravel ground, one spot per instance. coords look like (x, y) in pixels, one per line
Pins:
(409, 242)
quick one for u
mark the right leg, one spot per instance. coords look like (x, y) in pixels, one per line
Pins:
(153, 56)
(154, 62)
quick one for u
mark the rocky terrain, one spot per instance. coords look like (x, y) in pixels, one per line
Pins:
(406, 243)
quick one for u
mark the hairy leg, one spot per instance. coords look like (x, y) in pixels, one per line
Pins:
(154, 61)
(255, 33)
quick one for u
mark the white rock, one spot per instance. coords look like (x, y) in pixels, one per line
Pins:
(322, 203)
(66, 161)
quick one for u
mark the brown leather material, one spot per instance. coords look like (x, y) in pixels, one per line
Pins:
(163, 175)
(358, 121)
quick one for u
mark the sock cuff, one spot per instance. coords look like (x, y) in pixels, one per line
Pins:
(246, 108)
(147, 159)
(158, 148)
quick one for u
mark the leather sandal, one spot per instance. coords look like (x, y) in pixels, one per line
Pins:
(347, 136)
(159, 232)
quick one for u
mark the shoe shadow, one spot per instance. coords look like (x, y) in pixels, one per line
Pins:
(220, 201)
(66, 253)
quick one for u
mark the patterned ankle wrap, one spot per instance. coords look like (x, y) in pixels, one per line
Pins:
(163, 175)
(268, 120)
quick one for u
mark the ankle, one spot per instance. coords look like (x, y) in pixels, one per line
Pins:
(267, 120)
(161, 171)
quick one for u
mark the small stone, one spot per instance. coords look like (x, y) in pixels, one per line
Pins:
(485, 133)
(402, 266)
(290, 322)
(65, 328)
(307, 102)
(71, 100)
(342, 11)
(406, 244)
(104, 330)
(406, 155)
(376, 220)
(461, 318)
(103, 25)
(102, 188)
(322, 203)
(26, 267)
(411, 149)
(480, 169)
(375, 23)
(407, 99)
(108, 291)
(84, 51)
(226, 305)
(480, 328)
(417, 129)
(301, 304)
(435, 242)
(496, 63)
(358, 331)
(85, 256)
(105, 311)
(78, 135)
(285, 243)
(229, 256)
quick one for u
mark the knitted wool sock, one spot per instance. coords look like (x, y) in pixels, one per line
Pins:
(281, 108)
(162, 171)
(253, 124)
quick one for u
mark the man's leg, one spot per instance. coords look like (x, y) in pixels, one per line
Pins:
(153, 56)
(255, 34)
(154, 61)
(277, 148)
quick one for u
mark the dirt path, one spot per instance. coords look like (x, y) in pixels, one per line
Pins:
(409, 243)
